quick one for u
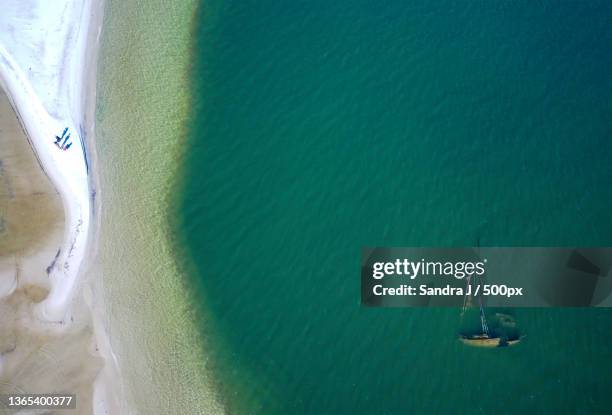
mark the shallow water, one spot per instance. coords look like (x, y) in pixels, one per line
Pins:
(140, 299)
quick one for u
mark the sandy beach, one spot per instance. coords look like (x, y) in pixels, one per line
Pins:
(46, 92)
(65, 327)
(47, 60)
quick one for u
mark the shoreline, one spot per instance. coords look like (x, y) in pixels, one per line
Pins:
(44, 118)
(51, 93)
(94, 281)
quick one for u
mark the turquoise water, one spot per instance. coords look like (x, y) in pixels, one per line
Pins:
(320, 127)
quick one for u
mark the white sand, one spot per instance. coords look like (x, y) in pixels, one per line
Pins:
(45, 47)
(42, 47)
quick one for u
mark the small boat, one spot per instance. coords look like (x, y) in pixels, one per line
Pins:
(483, 340)
(503, 332)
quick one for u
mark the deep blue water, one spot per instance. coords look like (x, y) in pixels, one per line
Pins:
(320, 127)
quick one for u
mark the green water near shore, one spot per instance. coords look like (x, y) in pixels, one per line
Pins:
(142, 106)
(321, 127)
